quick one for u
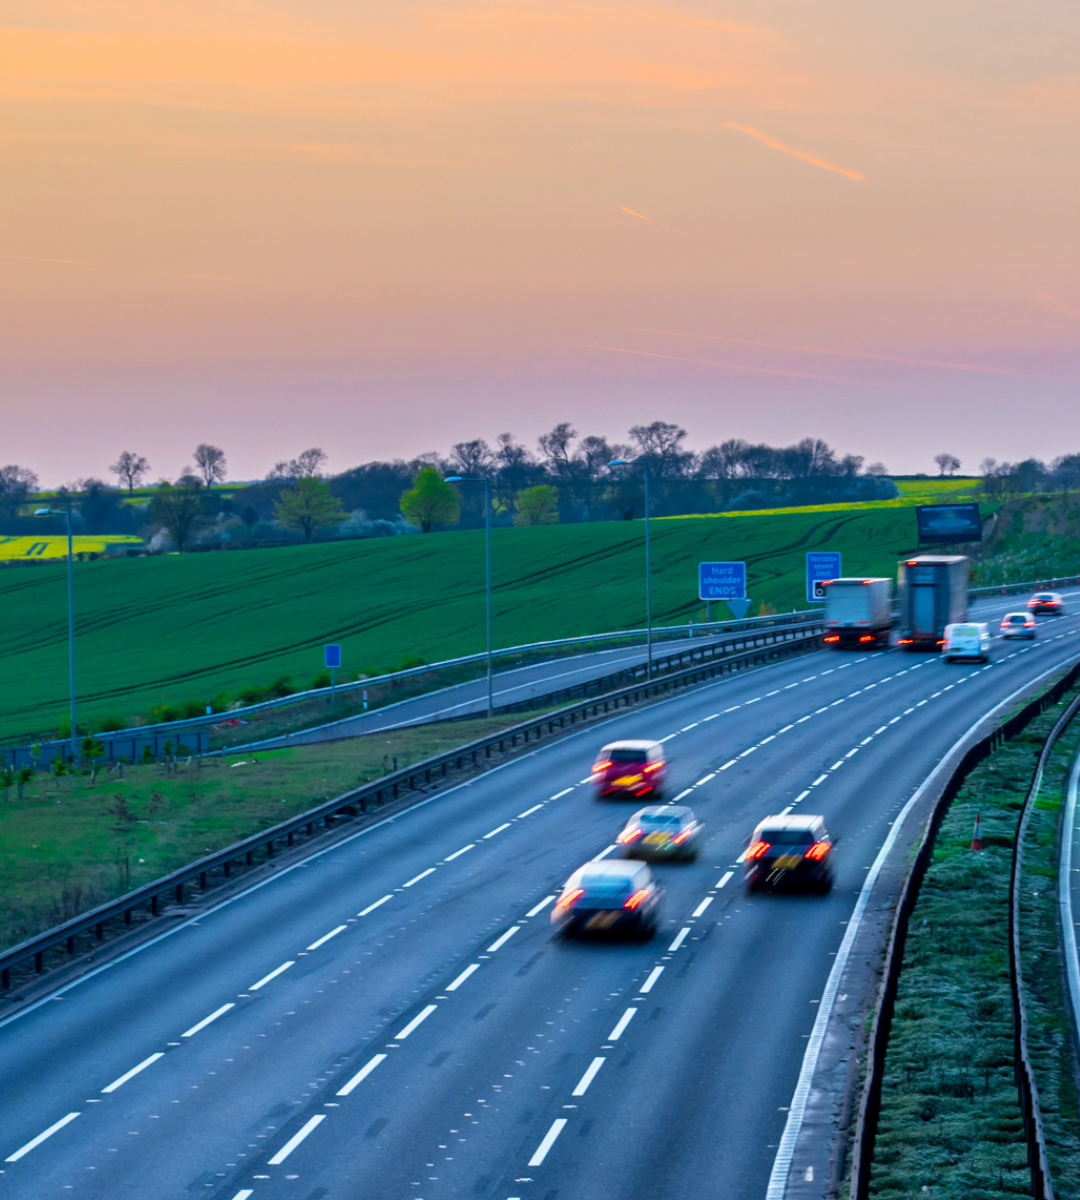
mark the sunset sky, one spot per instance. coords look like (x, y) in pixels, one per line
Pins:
(382, 227)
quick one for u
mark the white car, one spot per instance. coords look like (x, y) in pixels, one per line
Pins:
(1018, 625)
(967, 640)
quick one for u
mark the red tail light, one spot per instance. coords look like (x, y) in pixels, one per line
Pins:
(652, 767)
(637, 899)
(679, 838)
(906, 642)
(818, 851)
(570, 898)
(866, 637)
(834, 637)
(757, 850)
(629, 835)
(602, 765)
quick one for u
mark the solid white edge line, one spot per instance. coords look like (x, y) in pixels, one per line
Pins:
(206, 1020)
(459, 853)
(702, 906)
(680, 937)
(420, 1017)
(146, 1062)
(326, 937)
(541, 1152)
(778, 1178)
(654, 975)
(1072, 965)
(469, 970)
(296, 1139)
(538, 908)
(35, 1142)
(588, 1077)
(501, 941)
(620, 1028)
(504, 825)
(378, 904)
(724, 880)
(362, 1074)
(273, 975)
(415, 879)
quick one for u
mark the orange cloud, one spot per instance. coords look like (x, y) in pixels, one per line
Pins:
(801, 155)
(640, 216)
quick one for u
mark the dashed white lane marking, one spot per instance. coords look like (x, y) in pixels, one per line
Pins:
(880, 729)
(680, 937)
(35, 1142)
(587, 779)
(529, 811)
(784, 811)
(855, 750)
(724, 879)
(244, 1194)
(806, 718)
(459, 853)
(741, 858)
(537, 908)
(748, 750)
(820, 779)
(564, 792)
(893, 720)
(820, 710)
(379, 903)
(469, 970)
(118, 1083)
(687, 728)
(588, 1077)
(415, 879)
(669, 737)
(684, 792)
(501, 941)
(604, 853)
(273, 975)
(415, 1023)
(732, 708)
(654, 975)
(620, 1028)
(730, 763)
(867, 740)
(206, 1020)
(801, 796)
(334, 932)
(710, 717)
(308, 1126)
(557, 1126)
(705, 779)
(766, 741)
(754, 701)
(504, 825)
(702, 906)
(773, 693)
(362, 1074)
(785, 729)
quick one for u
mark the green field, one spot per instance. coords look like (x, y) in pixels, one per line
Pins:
(188, 629)
(937, 491)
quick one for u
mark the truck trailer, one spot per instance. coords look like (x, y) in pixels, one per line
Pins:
(933, 594)
(858, 612)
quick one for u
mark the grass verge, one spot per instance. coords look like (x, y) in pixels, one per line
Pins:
(950, 1124)
(73, 843)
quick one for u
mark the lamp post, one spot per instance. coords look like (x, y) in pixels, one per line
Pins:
(487, 574)
(66, 513)
(644, 464)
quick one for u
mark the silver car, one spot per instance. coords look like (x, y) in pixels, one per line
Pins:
(662, 831)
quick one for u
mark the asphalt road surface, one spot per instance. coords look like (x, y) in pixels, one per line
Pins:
(391, 1019)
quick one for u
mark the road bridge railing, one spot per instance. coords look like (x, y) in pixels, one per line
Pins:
(86, 933)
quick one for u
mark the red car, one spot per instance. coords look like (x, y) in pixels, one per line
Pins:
(631, 768)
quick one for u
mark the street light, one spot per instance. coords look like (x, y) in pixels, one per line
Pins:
(487, 573)
(644, 464)
(50, 512)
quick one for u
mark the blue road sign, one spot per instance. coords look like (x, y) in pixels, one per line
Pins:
(820, 567)
(722, 581)
(332, 657)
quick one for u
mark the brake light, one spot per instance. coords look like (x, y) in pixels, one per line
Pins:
(637, 899)
(569, 899)
(629, 835)
(906, 642)
(818, 851)
(757, 850)
(602, 765)
(679, 838)
(866, 637)
(833, 637)
(941, 641)
(653, 767)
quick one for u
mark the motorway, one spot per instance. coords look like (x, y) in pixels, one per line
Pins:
(391, 1018)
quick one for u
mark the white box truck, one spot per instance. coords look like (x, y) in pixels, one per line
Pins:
(933, 594)
(858, 612)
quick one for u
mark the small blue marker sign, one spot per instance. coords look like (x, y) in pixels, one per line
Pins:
(332, 657)
(820, 568)
(722, 581)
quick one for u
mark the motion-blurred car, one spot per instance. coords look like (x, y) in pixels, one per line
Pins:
(967, 640)
(609, 897)
(1018, 625)
(630, 768)
(790, 850)
(1047, 602)
(661, 832)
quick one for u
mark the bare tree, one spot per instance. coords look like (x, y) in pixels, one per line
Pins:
(947, 464)
(129, 468)
(661, 443)
(306, 465)
(473, 458)
(211, 463)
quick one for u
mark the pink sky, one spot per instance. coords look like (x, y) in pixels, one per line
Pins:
(384, 227)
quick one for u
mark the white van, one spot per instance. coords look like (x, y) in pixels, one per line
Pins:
(970, 640)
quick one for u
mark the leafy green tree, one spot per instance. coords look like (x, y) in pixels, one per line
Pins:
(178, 508)
(431, 501)
(309, 506)
(538, 506)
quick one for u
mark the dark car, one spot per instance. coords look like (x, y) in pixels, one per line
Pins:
(630, 768)
(790, 850)
(663, 831)
(1047, 602)
(609, 897)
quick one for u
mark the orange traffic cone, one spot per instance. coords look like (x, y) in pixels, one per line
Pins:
(976, 837)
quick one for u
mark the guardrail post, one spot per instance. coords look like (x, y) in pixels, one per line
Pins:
(153, 906)
(99, 931)
(127, 916)
(202, 881)
(5, 978)
(270, 849)
(179, 893)
(39, 962)
(70, 944)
